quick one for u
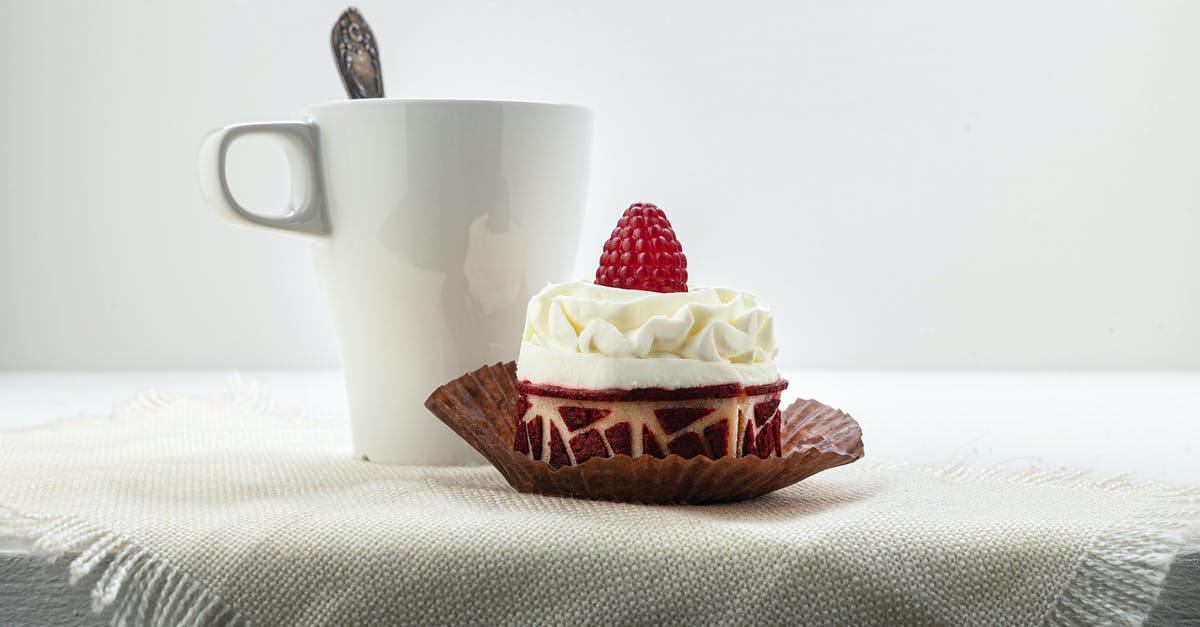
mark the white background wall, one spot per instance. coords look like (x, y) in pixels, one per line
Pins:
(926, 183)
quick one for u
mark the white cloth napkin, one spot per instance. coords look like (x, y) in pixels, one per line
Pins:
(208, 511)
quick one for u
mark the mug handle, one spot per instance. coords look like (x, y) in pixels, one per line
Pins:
(306, 215)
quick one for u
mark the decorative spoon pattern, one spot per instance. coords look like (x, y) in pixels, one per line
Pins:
(357, 55)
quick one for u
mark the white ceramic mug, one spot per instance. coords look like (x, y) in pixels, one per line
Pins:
(433, 221)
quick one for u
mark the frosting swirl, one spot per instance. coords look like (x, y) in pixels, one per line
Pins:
(729, 334)
(708, 324)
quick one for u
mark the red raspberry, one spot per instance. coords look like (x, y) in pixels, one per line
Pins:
(643, 254)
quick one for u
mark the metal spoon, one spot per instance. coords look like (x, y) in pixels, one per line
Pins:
(357, 56)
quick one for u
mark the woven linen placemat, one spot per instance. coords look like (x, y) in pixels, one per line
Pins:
(222, 511)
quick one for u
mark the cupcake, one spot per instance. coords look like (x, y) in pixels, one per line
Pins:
(637, 363)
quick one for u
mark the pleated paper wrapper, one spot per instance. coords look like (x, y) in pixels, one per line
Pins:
(480, 407)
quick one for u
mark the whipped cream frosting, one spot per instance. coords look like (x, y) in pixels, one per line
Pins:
(579, 334)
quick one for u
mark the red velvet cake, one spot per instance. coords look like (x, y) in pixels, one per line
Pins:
(637, 363)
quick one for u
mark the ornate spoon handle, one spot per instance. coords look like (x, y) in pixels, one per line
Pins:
(357, 56)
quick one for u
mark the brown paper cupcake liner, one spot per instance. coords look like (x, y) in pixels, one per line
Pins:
(480, 407)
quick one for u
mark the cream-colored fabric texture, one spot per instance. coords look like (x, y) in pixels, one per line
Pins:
(209, 511)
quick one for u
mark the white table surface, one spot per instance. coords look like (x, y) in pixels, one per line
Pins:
(1143, 424)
